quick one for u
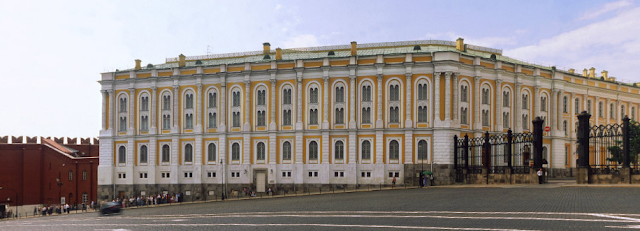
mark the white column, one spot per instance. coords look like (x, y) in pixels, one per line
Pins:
(596, 107)
(299, 104)
(498, 105)
(517, 104)
(379, 122)
(476, 104)
(447, 93)
(247, 104)
(408, 123)
(199, 111)
(112, 114)
(153, 111)
(455, 97)
(325, 102)
(272, 107)
(223, 106)
(105, 109)
(436, 103)
(352, 102)
(536, 101)
(553, 109)
(176, 109)
(132, 109)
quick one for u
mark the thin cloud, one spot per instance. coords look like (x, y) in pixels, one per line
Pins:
(305, 40)
(610, 44)
(590, 14)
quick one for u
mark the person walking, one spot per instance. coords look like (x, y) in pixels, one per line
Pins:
(540, 178)
(393, 182)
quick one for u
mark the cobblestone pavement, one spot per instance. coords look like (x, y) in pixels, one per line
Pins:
(556, 206)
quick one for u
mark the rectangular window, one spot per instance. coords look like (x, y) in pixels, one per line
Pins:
(166, 175)
(338, 174)
(84, 175)
(143, 175)
(188, 175)
(122, 175)
(365, 174)
(313, 173)
(235, 174)
(394, 174)
(286, 174)
(211, 174)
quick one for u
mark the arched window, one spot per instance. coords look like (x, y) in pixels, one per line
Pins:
(235, 151)
(236, 119)
(262, 97)
(339, 150)
(394, 150)
(543, 103)
(464, 116)
(286, 106)
(166, 102)
(464, 94)
(394, 91)
(366, 115)
(144, 113)
(189, 101)
(188, 121)
(422, 150)
(84, 174)
(340, 94)
(236, 99)
(564, 127)
(577, 107)
(122, 155)
(525, 121)
(313, 95)
(505, 119)
(485, 117)
(611, 112)
(313, 104)
(485, 96)
(85, 198)
(525, 102)
(213, 99)
(422, 91)
(213, 118)
(286, 150)
(123, 105)
(313, 150)
(260, 151)
(165, 153)
(366, 93)
(188, 153)
(123, 124)
(600, 110)
(339, 104)
(143, 154)
(366, 150)
(564, 104)
(166, 122)
(211, 152)
(505, 99)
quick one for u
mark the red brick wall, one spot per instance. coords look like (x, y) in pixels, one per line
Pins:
(32, 169)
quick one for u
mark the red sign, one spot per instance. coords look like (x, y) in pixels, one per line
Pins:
(547, 129)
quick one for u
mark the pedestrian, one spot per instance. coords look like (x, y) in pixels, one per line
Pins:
(540, 178)
(431, 179)
(393, 182)
(424, 181)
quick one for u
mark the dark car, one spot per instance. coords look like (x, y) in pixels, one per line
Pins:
(110, 208)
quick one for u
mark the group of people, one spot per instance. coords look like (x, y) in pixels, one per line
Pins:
(150, 200)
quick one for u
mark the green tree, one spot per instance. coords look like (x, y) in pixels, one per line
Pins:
(634, 146)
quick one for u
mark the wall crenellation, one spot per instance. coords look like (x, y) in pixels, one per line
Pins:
(38, 140)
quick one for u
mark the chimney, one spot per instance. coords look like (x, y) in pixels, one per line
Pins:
(460, 44)
(585, 73)
(278, 53)
(138, 64)
(572, 71)
(605, 74)
(592, 72)
(354, 45)
(267, 48)
(181, 60)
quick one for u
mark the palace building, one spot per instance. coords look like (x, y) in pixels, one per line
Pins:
(358, 114)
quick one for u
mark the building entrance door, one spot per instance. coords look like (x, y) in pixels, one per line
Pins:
(260, 181)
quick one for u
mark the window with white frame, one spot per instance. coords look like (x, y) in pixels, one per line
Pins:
(287, 107)
(577, 105)
(505, 119)
(286, 174)
(423, 101)
(339, 174)
(260, 152)
(122, 155)
(525, 101)
(366, 150)
(394, 174)
(144, 112)
(394, 150)
(261, 106)
(564, 127)
(525, 122)
(313, 174)
(339, 103)
(485, 117)
(464, 115)
(589, 106)
(235, 107)
(339, 150)
(505, 99)
(188, 153)
(564, 104)
(211, 174)
(366, 103)
(211, 152)
(313, 104)
(143, 175)
(166, 110)
(122, 113)
(611, 112)
(144, 156)
(235, 152)
(485, 96)
(394, 102)
(543, 103)
(165, 153)
(122, 175)
(165, 175)
(188, 110)
(212, 109)
(313, 150)
(365, 174)
(235, 174)
(286, 150)
(464, 93)
(600, 110)
(423, 150)
(188, 174)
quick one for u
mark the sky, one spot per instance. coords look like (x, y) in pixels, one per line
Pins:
(52, 52)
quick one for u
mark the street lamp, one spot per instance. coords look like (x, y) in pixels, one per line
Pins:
(9, 199)
(223, 175)
(60, 183)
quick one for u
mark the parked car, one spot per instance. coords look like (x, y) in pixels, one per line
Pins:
(110, 208)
